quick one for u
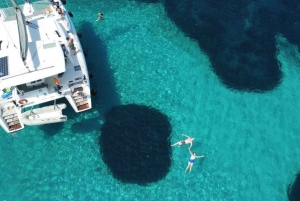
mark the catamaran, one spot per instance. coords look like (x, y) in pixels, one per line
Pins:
(38, 64)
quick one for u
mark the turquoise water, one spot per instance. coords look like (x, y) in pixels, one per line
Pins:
(137, 55)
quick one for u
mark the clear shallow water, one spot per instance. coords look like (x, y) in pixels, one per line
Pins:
(137, 55)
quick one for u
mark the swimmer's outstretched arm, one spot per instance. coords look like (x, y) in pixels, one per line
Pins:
(174, 144)
(186, 135)
(191, 145)
(190, 151)
(200, 156)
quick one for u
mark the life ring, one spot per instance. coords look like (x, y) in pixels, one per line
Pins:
(22, 101)
(56, 81)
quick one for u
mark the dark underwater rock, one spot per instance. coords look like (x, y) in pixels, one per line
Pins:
(135, 143)
(293, 191)
(238, 37)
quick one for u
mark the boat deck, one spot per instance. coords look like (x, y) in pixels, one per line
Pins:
(50, 70)
(46, 35)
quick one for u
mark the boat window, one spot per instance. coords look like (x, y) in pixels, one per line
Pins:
(77, 68)
(49, 45)
(35, 83)
(3, 66)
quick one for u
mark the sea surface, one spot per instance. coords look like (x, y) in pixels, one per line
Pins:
(138, 55)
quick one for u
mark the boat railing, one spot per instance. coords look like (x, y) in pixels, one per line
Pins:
(8, 14)
(5, 101)
(24, 88)
(40, 5)
(38, 8)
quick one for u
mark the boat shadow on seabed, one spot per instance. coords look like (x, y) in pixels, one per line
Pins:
(101, 78)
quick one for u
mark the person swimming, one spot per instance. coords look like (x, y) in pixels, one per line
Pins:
(100, 17)
(189, 140)
(192, 160)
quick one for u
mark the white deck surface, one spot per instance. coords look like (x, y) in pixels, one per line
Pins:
(44, 57)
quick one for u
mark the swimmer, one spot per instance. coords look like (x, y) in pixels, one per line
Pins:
(189, 140)
(192, 160)
(100, 17)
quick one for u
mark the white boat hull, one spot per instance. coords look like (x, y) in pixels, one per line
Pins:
(38, 65)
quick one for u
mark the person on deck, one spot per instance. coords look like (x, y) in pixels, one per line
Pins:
(71, 45)
(59, 11)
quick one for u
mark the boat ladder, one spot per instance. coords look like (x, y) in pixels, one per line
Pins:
(11, 118)
(80, 98)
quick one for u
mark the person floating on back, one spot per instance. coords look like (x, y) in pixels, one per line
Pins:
(100, 17)
(192, 160)
(189, 140)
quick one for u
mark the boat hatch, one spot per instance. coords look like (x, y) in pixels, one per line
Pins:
(77, 68)
(49, 45)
